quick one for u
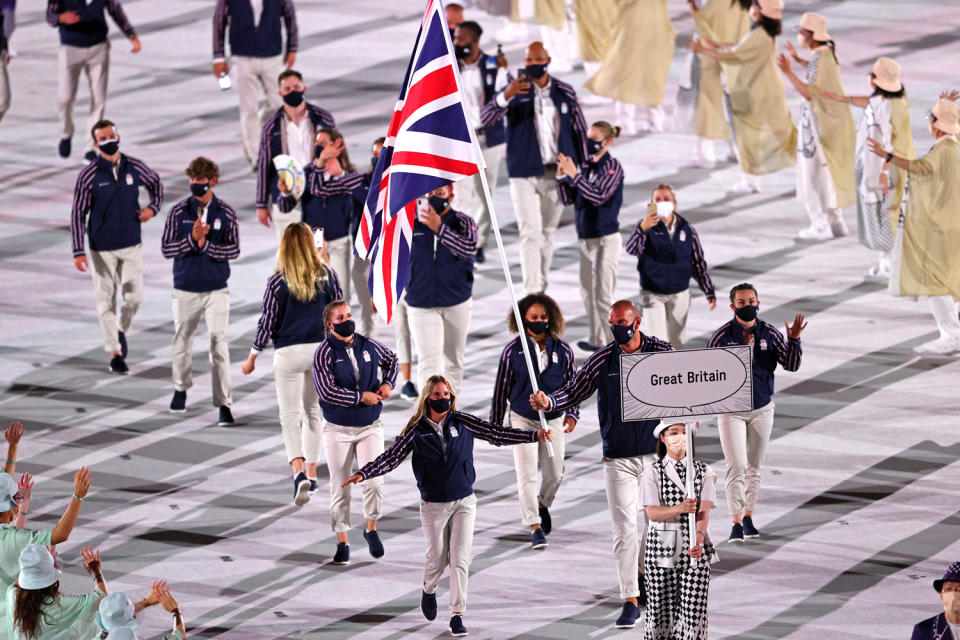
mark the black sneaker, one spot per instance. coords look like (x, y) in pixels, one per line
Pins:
(301, 489)
(642, 598)
(226, 417)
(64, 148)
(628, 617)
(373, 543)
(479, 256)
(314, 487)
(457, 630)
(538, 540)
(428, 606)
(117, 365)
(749, 531)
(178, 404)
(342, 556)
(583, 345)
(546, 522)
(90, 156)
(409, 391)
(123, 343)
(736, 534)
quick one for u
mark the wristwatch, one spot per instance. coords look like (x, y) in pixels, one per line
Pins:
(889, 157)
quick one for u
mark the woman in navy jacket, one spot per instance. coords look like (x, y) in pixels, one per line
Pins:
(554, 362)
(441, 439)
(292, 318)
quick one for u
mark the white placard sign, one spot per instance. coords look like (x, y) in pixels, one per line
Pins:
(696, 382)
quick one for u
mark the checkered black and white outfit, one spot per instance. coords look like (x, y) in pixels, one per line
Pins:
(676, 585)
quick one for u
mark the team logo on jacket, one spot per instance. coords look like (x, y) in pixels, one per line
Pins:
(683, 235)
(564, 108)
(555, 360)
(366, 356)
(453, 431)
(129, 179)
(763, 345)
(489, 78)
(216, 223)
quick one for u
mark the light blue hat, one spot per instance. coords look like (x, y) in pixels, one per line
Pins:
(8, 489)
(116, 610)
(36, 568)
(122, 633)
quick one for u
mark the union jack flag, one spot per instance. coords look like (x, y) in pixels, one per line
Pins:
(428, 145)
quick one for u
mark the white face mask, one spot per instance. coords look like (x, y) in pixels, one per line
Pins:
(676, 444)
(951, 600)
(664, 209)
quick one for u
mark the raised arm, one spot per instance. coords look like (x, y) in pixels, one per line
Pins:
(784, 63)
(789, 351)
(583, 385)
(462, 243)
(174, 242)
(81, 484)
(152, 598)
(389, 459)
(344, 185)
(637, 240)
(495, 434)
(12, 435)
(569, 373)
(603, 189)
(229, 247)
(93, 565)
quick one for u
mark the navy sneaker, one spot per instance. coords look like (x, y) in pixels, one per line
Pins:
(313, 485)
(342, 556)
(583, 345)
(123, 343)
(479, 256)
(226, 417)
(118, 366)
(736, 534)
(428, 606)
(373, 543)
(178, 404)
(64, 148)
(749, 531)
(642, 598)
(546, 522)
(301, 489)
(409, 391)
(538, 540)
(457, 630)
(628, 617)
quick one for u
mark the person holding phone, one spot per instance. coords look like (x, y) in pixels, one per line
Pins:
(292, 318)
(201, 235)
(669, 253)
(441, 440)
(353, 375)
(440, 286)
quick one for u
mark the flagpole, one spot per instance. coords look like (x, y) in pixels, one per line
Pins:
(691, 487)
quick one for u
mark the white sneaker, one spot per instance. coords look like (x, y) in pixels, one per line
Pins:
(880, 270)
(941, 346)
(594, 99)
(745, 187)
(815, 232)
(838, 228)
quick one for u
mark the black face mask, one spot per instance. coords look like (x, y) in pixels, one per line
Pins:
(293, 99)
(594, 146)
(622, 334)
(536, 71)
(747, 313)
(109, 147)
(345, 328)
(462, 52)
(440, 405)
(199, 189)
(439, 204)
(537, 327)
(373, 163)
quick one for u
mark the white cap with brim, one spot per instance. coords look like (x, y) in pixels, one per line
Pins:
(886, 74)
(8, 489)
(948, 116)
(116, 610)
(36, 568)
(122, 633)
(667, 423)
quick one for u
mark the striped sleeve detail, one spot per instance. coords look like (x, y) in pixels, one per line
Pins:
(491, 112)
(576, 116)
(637, 241)
(566, 191)
(346, 184)
(221, 13)
(389, 364)
(651, 343)
(174, 243)
(322, 117)
(332, 287)
(116, 12)
(82, 203)
(496, 435)
(270, 313)
(789, 351)
(392, 457)
(502, 385)
(717, 339)
(608, 181)
(462, 244)
(699, 265)
(569, 371)
(150, 180)
(265, 170)
(327, 388)
(584, 382)
(290, 20)
(286, 203)
(229, 249)
(54, 8)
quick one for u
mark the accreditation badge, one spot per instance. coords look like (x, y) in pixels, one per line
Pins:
(453, 431)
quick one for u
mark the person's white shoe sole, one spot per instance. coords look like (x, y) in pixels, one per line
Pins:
(303, 494)
(540, 546)
(815, 234)
(624, 626)
(744, 188)
(939, 347)
(178, 410)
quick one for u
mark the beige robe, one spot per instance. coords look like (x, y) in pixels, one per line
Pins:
(902, 142)
(595, 28)
(637, 64)
(929, 262)
(838, 135)
(724, 22)
(549, 13)
(766, 136)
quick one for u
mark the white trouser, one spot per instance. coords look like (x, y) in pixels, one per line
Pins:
(188, 308)
(4, 85)
(538, 210)
(622, 477)
(360, 274)
(401, 328)
(440, 335)
(664, 315)
(815, 188)
(469, 197)
(108, 267)
(598, 280)
(744, 438)
(944, 310)
(338, 252)
(300, 416)
(283, 220)
(525, 459)
(448, 528)
(341, 446)
(71, 62)
(251, 75)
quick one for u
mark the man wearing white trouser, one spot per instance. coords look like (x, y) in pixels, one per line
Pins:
(401, 331)
(744, 436)
(257, 54)
(352, 375)
(201, 236)
(440, 286)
